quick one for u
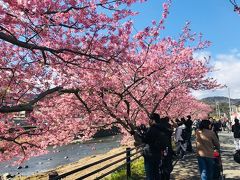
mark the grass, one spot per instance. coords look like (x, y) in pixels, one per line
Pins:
(137, 172)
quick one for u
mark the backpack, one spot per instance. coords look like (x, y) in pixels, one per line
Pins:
(236, 131)
(146, 152)
(184, 134)
(162, 142)
(236, 157)
(224, 124)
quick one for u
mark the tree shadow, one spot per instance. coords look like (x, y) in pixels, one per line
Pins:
(186, 168)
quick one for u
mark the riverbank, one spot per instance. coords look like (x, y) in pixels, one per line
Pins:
(185, 169)
(62, 155)
(84, 161)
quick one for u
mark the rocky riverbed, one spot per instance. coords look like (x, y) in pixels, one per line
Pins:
(84, 161)
(62, 156)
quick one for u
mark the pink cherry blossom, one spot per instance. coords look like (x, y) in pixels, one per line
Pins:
(77, 67)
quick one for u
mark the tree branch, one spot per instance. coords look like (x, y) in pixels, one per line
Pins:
(31, 46)
(28, 106)
(48, 12)
(118, 120)
(83, 102)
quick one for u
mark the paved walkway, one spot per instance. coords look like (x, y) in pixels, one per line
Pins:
(231, 169)
(187, 169)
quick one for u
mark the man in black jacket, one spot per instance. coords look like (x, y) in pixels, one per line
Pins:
(188, 123)
(158, 145)
(236, 134)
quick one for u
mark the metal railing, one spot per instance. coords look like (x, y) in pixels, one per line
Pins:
(137, 154)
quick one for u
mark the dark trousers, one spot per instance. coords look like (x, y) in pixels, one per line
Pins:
(189, 145)
(216, 132)
(152, 165)
(189, 142)
(167, 167)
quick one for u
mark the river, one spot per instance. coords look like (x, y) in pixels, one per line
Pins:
(63, 155)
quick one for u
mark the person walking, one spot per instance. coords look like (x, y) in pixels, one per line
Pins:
(206, 143)
(224, 124)
(188, 125)
(195, 125)
(167, 158)
(236, 134)
(215, 126)
(181, 138)
(158, 142)
(229, 126)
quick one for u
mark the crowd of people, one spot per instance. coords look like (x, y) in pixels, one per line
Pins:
(158, 150)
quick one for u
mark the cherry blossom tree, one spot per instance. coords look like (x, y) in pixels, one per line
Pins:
(235, 5)
(44, 42)
(183, 105)
(77, 66)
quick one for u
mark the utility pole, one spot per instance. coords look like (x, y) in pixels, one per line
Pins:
(216, 107)
(219, 113)
(229, 103)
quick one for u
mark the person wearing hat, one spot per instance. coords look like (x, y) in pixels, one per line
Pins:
(157, 141)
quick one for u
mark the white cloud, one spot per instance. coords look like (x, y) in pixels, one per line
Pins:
(227, 72)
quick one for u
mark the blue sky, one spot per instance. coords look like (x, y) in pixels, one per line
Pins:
(218, 23)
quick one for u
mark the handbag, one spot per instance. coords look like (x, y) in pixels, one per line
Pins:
(147, 151)
(236, 156)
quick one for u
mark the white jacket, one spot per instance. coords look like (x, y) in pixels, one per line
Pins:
(178, 134)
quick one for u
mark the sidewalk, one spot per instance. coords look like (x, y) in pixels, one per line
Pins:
(187, 169)
(231, 169)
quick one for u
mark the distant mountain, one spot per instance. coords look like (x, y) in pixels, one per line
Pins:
(219, 99)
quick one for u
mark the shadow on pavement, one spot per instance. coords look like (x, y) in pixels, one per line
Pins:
(186, 169)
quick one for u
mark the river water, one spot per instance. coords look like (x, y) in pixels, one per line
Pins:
(63, 155)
